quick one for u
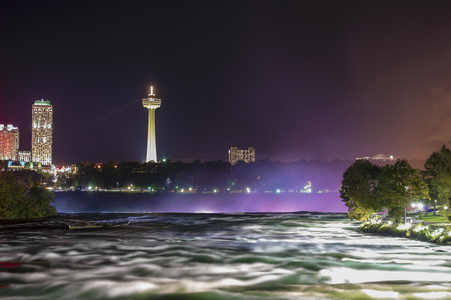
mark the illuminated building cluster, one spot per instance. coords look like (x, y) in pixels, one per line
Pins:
(9, 142)
(42, 132)
(246, 155)
(41, 139)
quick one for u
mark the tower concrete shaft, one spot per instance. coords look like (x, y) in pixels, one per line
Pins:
(151, 103)
(151, 137)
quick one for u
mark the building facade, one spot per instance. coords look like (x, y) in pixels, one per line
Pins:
(9, 142)
(236, 155)
(25, 156)
(42, 132)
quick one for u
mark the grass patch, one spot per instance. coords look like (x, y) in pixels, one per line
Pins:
(431, 218)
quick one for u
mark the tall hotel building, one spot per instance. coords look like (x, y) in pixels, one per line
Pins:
(9, 142)
(41, 135)
(236, 154)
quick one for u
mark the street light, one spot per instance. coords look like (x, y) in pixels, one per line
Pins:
(420, 207)
(435, 204)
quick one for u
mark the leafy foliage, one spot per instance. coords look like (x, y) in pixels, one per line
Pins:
(359, 190)
(438, 177)
(367, 188)
(438, 235)
(21, 200)
(400, 185)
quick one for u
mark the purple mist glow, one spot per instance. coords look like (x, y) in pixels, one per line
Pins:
(211, 203)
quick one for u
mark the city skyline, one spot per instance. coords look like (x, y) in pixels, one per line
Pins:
(41, 143)
(294, 79)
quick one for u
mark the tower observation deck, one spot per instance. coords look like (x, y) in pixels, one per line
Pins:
(151, 103)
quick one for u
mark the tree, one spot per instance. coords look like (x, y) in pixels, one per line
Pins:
(438, 177)
(359, 190)
(11, 195)
(20, 200)
(400, 185)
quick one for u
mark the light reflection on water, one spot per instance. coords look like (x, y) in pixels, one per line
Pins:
(215, 256)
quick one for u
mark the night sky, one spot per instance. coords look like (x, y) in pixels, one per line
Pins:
(293, 79)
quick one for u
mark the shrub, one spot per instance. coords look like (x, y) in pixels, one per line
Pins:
(437, 235)
(19, 200)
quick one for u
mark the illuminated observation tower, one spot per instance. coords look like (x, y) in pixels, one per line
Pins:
(151, 103)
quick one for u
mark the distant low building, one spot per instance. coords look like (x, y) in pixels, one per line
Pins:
(25, 156)
(381, 159)
(236, 155)
(9, 142)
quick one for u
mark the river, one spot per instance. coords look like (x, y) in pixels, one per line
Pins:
(137, 202)
(302, 255)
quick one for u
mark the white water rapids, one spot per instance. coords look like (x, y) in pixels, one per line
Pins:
(215, 256)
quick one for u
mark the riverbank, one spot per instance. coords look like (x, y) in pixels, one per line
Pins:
(438, 233)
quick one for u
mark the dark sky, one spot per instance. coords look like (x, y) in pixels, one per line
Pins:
(293, 79)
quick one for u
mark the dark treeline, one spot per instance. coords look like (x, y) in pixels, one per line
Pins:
(261, 176)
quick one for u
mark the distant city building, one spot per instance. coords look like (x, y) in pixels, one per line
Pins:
(151, 103)
(42, 132)
(9, 142)
(236, 155)
(379, 157)
(25, 156)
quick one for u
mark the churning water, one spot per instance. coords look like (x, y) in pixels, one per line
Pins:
(215, 256)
